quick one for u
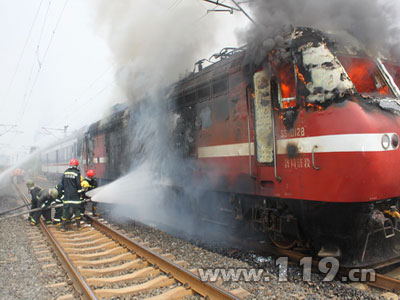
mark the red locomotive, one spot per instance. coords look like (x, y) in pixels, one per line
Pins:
(301, 144)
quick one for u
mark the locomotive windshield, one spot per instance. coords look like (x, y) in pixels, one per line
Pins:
(366, 77)
(287, 85)
(394, 71)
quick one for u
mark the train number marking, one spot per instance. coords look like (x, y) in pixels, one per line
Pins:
(293, 133)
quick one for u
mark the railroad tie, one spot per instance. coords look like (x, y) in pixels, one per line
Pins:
(81, 239)
(105, 246)
(66, 297)
(168, 256)
(46, 266)
(56, 285)
(46, 258)
(139, 274)
(118, 258)
(240, 292)
(137, 263)
(91, 243)
(175, 293)
(116, 250)
(158, 282)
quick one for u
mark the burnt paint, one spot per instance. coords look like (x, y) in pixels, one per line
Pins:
(292, 150)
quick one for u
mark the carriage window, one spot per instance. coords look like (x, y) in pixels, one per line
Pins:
(287, 86)
(365, 76)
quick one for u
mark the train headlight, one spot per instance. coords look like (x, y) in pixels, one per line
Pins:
(395, 141)
(385, 141)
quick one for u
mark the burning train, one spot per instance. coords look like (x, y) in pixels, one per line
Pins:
(303, 144)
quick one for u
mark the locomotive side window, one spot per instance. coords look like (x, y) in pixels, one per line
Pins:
(203, 92)
(263, 117)
(221, 109)
(203, 117)
(190, 97)
(220, 86)
(287, 86)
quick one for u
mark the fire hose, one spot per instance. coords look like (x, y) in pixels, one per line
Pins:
(33, 210)
(15, 208)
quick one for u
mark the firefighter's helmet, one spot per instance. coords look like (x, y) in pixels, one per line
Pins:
(30, 184)
(90, 173)
(53, 193)
(74, 162)
(85, 184)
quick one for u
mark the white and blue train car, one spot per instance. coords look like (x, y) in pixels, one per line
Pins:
(55, 160)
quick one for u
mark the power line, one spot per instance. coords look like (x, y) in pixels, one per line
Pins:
(231, 8)
(79, 97)
(24, 101)
(43, 61)
(41, 32)
(99, 92)
(23, 50)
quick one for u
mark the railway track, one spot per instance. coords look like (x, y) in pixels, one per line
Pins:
(93, 255)
(386, 281)
(105, 263)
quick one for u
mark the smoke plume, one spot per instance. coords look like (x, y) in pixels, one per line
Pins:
(153, 42)
(373, 22)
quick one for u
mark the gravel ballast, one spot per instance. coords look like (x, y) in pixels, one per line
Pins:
(21, 274)
(201, 255)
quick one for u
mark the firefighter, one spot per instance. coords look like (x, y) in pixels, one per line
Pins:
(71, 181)
(59, 200)
(85, 187)
(91, 179)
(45, 199)
(34, 191)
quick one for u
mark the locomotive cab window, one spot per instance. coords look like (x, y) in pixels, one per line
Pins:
(287, 86)
(366, 77)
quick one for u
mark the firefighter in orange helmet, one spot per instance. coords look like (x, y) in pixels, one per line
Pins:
(91, 179)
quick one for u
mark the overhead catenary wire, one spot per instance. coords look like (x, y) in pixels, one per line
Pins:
(36, 55)
(43, 61)
(80, 97)
(99, 92)
(23, 50)
(41, 32)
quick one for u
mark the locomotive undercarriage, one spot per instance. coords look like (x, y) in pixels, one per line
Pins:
(359, 234)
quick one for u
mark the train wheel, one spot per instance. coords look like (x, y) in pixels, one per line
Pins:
(281, 241)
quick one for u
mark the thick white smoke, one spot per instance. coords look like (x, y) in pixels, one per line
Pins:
(153, 42)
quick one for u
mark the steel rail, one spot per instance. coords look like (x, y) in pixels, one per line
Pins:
(78, 281)
(180, 274)
(188, 279)
(381, 281)
(385, 282)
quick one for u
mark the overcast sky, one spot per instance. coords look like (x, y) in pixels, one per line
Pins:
(55, 75)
